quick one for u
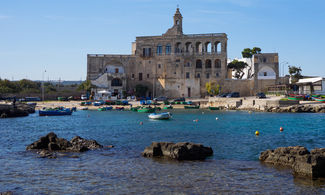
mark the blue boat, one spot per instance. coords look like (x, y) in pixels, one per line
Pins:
(56, 112)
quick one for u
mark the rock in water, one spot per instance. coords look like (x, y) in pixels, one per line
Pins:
(303, 162)
(178, 151)
(50, 143)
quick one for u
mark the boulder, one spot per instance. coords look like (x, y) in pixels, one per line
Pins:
(50, 143)
(302, 162)
(178, 151)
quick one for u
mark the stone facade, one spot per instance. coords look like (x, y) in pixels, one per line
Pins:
(173, 64)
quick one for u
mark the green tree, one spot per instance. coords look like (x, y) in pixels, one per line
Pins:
(212, 88)
(295, 73)
(238, 67)
(248, 53)
(86, 86)
(140, 90)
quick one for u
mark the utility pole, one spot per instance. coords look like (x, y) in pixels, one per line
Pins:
(43, 84)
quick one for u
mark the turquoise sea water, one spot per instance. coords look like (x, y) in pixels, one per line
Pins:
(234, 167)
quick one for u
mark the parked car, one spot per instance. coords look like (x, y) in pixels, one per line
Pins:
(223, 95)
(84, 97)
(162, 98)
(182, 99)
(260, 95)
(233, 94)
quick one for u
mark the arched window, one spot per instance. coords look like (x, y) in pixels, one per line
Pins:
(198, 64)
(198, 47)
(159, 50)
(217, 47)
(188, 47)
(168, 49)
(116, 82)
(178, 48)
(198, 75)
(208, 47)
(208, 63)
(217, 63)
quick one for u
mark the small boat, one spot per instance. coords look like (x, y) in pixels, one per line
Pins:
(55, 112)
(105, 108)
(97, 103)
(322, 100)
(160, 116)
(296, 98)
(146, 110)
(168, 107)
(213, 108)
(191, 107)
(119, 108)
(83, 108)
(74, 109)
(135, 109)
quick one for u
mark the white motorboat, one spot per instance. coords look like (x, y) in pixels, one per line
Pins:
(160, 116)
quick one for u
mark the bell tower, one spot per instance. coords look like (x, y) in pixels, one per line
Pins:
(177, 28)
(178, 20)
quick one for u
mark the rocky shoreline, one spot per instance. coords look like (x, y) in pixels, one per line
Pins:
(18, 110)
(303, 162)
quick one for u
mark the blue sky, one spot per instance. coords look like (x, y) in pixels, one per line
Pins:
(56, 36)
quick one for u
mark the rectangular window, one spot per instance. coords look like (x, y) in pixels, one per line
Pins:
(187, 75)
(208, 75)
(116, 70)
(159, 50)
(159, 66)
(140, 76)
(146, 52)
(147, 76)
(265, 74)
(132, 76)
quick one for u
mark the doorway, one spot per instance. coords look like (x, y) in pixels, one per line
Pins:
(189, 91)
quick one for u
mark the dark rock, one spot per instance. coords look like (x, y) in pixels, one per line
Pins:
(178, 151)
(50, 143)
(6, 193)
(302, 162)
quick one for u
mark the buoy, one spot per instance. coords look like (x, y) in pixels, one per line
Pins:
(202, 112)
(281, 129)
(216, 118)
(141, 123)
(196, 120)
(257, 133)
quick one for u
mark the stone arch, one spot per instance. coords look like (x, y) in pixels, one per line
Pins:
(208, 63)
(116, 82)
(198, 64)
(188, 47)
(266, 72)
(178, 47)
(208, 47)
(198, 47)
(217, 63)
(217, 47)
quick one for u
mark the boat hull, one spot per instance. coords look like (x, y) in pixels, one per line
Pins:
(191, 107)
(160, 116)
(54, 112)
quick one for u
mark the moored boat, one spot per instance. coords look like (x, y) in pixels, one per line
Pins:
(322, 100)
(160, 116)
(168, 107)
(146, 110)
(105, 108)
(119, 108)
(55, 112)
(135, 109)
(191, 107)
(213, 108)
(296, 98)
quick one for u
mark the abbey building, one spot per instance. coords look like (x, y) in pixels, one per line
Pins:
(173, 64)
